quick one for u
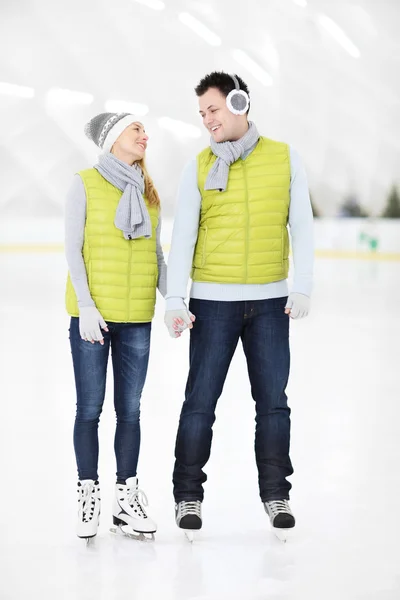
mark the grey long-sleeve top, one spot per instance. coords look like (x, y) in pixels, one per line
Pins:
(75, 219)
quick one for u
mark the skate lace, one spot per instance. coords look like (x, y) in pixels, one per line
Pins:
(279, 506)
(191, 508)
(138, 498)
(87, 491)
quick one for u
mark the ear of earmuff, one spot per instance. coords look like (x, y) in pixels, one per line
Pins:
(237, 100)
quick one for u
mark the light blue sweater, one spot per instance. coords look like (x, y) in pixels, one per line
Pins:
(184, 239)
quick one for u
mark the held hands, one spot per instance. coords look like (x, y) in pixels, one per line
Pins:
(297, 306)
(178, 320)
(90, 321)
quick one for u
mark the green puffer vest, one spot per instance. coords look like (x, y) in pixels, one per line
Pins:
(243, 235)
(122, 274)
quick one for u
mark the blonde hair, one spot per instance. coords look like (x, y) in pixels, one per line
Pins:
(149, 189)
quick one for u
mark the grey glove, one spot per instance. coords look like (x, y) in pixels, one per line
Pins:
(178, 320)
(297, 306)
(90, 321)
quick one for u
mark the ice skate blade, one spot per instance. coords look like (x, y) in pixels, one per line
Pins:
(89, 540)
(189, 534)
(282, 534)
(133, 535)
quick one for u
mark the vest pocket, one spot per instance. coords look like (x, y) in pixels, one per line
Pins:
(285, 245)
(200, 250)
(88, 262)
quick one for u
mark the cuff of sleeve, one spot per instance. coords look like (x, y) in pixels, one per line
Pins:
(175, 303)
(302, 288)
(162, 289)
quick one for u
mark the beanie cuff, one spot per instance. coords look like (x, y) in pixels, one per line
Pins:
(116, 131)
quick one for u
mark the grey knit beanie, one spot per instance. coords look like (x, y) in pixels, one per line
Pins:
(105, 128)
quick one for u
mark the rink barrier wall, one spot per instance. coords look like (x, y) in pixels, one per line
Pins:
(329, 254)
(352, 239)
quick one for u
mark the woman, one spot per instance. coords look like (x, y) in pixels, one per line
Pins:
(115, 261)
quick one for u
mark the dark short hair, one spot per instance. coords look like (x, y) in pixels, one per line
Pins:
(220, 80)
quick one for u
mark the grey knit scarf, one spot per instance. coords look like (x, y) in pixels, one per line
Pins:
(227, 153)
(132, 216)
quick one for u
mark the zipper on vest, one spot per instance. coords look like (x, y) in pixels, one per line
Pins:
(128, 300)
(246, 259)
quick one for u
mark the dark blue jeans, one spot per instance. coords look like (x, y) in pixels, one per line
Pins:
(263, 328)
(130, 346)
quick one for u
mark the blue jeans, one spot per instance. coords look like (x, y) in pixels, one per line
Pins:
(130, 346)
(263, 327)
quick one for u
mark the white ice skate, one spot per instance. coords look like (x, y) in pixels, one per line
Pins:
(88, 509)
(129, 515)
(188, 517)
(281, 518)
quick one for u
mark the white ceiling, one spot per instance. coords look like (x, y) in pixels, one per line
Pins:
(342, 113)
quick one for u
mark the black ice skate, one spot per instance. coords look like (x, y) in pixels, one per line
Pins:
(280, 516)
(188, 517)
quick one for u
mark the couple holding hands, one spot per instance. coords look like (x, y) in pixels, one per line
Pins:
(230, 236)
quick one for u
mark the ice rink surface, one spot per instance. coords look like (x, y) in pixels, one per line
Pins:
(344, 395)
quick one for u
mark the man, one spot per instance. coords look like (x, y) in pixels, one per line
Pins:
(230, 233)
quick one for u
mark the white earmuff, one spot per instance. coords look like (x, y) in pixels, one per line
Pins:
(237, 100)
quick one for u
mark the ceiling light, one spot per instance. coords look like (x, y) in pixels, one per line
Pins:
(18, 91)
(339, 35)
(202, 30)
(254, 68)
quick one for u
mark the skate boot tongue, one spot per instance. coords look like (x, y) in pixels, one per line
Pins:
(131, 482)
